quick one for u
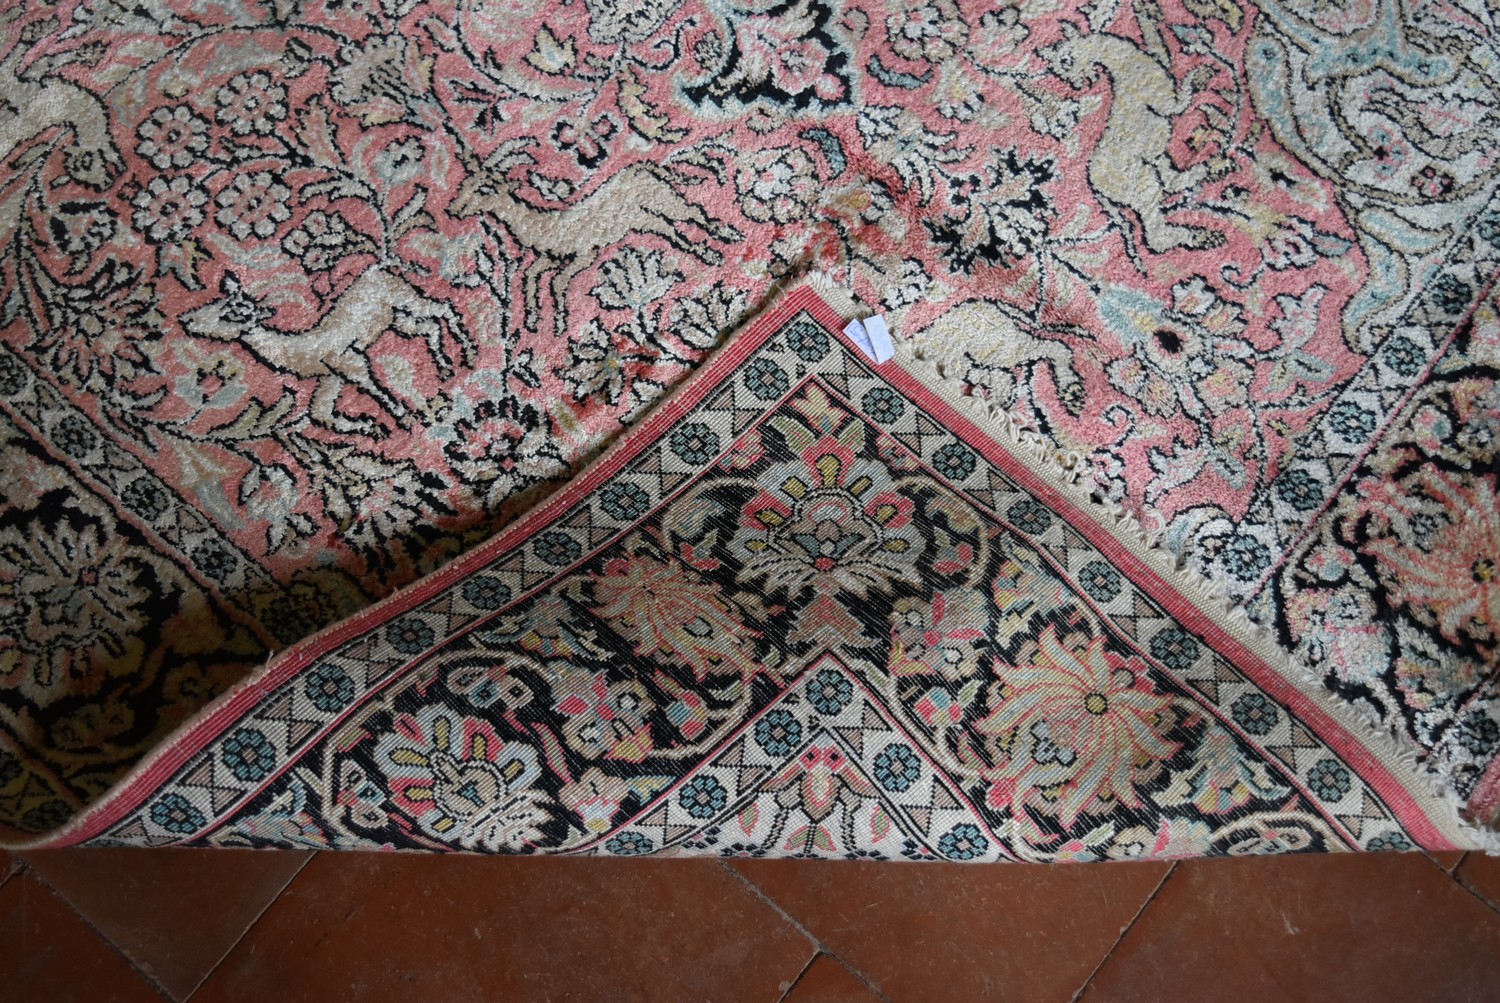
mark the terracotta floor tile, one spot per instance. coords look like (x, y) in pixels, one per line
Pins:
(1348, 927)
(953, 932)
(827, 981)
(470, 928)
(176, 913)
(48, 953)
(1450, 860)
(1481, 872)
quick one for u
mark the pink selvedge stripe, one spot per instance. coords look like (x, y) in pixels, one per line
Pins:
(1365, 762)
(216, 719)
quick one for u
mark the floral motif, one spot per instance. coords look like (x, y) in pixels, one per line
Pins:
(661, 607)
(605, 719)
(177, 814)
(462, 783)
(251, 104)
(329, 688)
(172, 137)
(71, 601)
(927, 29)
(963, 842)
(999, 216)
(943, 637)
(1450, 576)
(1076, 727)
(248, 755)
(166, 211)
(703, 797)
(778, 733)
(897, 768)
(1221, 780)
(827, 528)
(253, 203)
(779, 186)
(99, 333)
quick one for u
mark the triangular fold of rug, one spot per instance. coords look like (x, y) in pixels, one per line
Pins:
(808, 606)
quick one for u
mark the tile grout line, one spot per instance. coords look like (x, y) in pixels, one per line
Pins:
(1124, 932)
(1453, 876)
(250, 926)
(1492, 906)
(792, 986)
(146, 976)
(822, 947)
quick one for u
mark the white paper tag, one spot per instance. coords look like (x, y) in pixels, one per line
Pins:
(872, 337)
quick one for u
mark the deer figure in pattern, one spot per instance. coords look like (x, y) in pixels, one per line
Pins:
(335, 351)
(1131, 167)
(639, 198)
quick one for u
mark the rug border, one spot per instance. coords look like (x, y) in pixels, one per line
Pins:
(1426, 810)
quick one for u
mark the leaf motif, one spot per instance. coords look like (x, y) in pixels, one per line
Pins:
(749, 817)
(551, 55)
(316, 134)
(641, 116)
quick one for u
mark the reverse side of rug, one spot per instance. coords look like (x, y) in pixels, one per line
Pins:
(809, 606)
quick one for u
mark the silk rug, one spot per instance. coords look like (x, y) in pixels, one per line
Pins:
(301, 299)
(810, 606)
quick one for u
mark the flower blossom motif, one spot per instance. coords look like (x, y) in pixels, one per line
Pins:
(1390, 150)
(781, 51)
(932, 30)
(634, 280)
(596, 798)
(172, 137)
(941, 637)
(1455, 582)
(612, 22)
(998, 217)
(97, 332)
(253, 203)
(1076, 729)
(251, 103)
(70, 607)
(663, 608)
(778, 186)
(461, 782)
(1432, 183)
(166, 211)
(1173, 839)
(324, 239)
(831, 526)
(1221, 778)
(818, 782)
(1292, 245)
(501, 447)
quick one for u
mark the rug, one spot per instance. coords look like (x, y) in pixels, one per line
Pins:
(302, 299)
(810, 606)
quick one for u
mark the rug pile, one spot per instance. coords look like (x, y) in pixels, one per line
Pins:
(303, 302)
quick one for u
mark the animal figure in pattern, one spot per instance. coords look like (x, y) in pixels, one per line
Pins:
(1131, 168)
(640, 199)
(335, 352)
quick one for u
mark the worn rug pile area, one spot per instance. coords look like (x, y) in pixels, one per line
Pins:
(417, 431)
